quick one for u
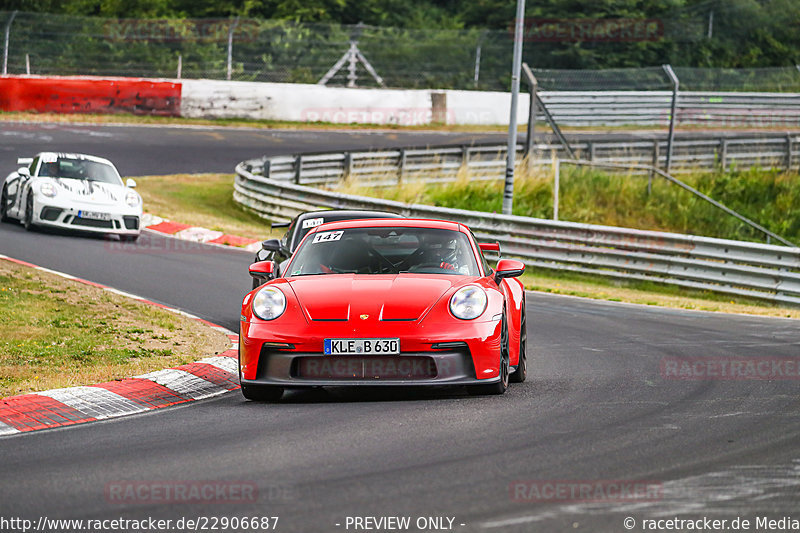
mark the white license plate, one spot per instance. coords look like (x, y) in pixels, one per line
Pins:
(94, 215)
(362, 346)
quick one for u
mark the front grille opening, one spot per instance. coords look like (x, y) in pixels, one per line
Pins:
(92, 223)
(131, 222)
(51, 213)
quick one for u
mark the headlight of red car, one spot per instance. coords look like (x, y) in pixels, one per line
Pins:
(269, 303)
(468, 302)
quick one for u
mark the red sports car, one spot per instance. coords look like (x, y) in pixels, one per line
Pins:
(384, 302)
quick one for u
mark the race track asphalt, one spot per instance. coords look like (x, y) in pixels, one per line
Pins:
(597, 409)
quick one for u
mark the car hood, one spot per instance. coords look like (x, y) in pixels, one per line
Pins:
(384, 297)
(90, 191)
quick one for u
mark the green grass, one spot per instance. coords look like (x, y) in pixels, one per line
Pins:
(57, 333)
(769, 197)
(204, 200)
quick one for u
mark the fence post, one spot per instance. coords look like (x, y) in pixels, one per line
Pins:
(672, 118)
(402, 166)
(5, 48)
(267, 168)
(180, 65)
(464, 159)
(789, 146)
(533, 87)
(348, 165)
(590, 148)
(298, 168)
(723, 154)
(556, 184)
(231, 29)
(28, 64)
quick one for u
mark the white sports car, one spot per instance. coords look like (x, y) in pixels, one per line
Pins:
(72, 191)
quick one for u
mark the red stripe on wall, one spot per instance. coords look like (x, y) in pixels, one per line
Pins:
(90, 95)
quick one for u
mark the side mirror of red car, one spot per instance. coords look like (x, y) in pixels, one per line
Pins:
(508, 268)
(263, 270)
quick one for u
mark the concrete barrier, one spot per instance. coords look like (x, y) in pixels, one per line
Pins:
(90, 95)
(296, 102)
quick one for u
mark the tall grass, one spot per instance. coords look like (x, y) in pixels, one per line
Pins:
(769, 197)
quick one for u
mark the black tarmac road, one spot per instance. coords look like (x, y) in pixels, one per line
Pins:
(600, 413)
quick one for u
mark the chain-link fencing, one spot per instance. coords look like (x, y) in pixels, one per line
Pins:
(284, 51)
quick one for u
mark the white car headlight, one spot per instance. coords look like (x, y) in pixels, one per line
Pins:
(47, 189)
(132, 199)
(468, 302)
(269, 303)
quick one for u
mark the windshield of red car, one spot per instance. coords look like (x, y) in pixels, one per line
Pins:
(385, 251)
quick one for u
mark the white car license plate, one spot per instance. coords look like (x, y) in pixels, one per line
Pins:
(94, 215)
(362, 346)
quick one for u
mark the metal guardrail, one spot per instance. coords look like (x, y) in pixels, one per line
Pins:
(732, 267)
(653, 108)
(442, 164)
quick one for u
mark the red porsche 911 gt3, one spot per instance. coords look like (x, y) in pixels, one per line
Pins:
(384, 302)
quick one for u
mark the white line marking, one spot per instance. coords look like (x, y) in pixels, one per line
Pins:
(184, 383)
(228, 364)
(5, 429)
(94, 402)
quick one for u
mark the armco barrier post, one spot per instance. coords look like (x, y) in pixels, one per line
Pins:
(556, 180)
(298, 168)
(401, 166)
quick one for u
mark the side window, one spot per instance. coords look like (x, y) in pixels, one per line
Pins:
(486, 267)
(33, 166)
(285, 240)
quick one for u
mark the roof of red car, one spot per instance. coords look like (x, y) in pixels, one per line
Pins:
(391, 222)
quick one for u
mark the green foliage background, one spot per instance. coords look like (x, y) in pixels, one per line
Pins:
(411, 43)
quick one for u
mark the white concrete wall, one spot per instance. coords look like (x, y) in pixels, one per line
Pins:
(316, 103)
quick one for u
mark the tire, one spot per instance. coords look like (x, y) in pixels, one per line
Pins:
(27, 220)
(501, 386)
(521, 372)
(4, 205)
(263, 393)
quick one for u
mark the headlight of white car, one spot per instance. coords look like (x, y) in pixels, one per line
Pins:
(269, 303)
(468, 302)
(132, 199)
(47, 189)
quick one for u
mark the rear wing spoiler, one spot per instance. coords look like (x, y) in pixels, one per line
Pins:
(24, 161)
(489, 247)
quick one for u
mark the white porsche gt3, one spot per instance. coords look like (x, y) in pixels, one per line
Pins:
(72, 191)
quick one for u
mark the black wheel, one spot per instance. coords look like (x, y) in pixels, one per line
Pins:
(28, 218)
(501, 386)
(4, 205)
(129, 238)
(521, 372)
(262, 393)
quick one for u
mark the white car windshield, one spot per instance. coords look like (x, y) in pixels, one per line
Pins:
(385, 251)
(80, 169)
